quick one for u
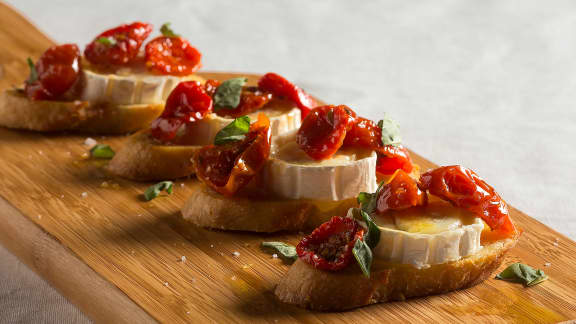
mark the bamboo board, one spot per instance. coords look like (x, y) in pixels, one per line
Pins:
(120, 259)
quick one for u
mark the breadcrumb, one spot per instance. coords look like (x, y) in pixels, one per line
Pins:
(236, 253)
(84, 194)
(183, 259)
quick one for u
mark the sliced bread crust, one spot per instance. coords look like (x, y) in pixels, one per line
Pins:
(17, 111)
(315, 289)
(143, 159)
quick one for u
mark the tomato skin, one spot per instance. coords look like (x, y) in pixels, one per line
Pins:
(251, 100)
(187, 103)
(128, 40)
(464, 188)
(401, 192)
(172, 56)
(329, 246)
(57, 70)
(228, 168)
(281, 87)
(392, 158)
(323, 131)
(364, 133)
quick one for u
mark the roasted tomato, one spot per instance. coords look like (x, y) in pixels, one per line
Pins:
(323, 131)
(464, 188)
(283, 88)
(210, 86)
(251, 100)
(54, 74)
(392, 158)
(172, 55)
(187, 103)
(364, 133)
(329, 247)
(399, 193)
(118, 46)
(229, 167)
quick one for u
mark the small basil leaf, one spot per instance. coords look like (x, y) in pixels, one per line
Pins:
(227, 95)
(167, 31)
(102, 151)
(33, 73)
(234, 131)
(108, 41)
(287, 251)
(154, 190)
(522, 273)
(368, 201)
(363, 256)
(390, 131)
(372, 237)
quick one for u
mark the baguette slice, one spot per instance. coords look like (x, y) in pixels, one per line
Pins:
(143, 159)
(206, 208)
(17, 111)
(308, 287)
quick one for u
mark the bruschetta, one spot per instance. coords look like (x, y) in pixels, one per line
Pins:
(114, 87)
(194, 113)
(448, 231)
(295, 180)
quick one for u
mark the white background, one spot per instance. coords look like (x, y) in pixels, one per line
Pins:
(487, 84)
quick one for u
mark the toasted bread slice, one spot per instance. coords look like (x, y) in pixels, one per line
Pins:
(17, 111)
(308, 287)
(206, 208)
(143, 159)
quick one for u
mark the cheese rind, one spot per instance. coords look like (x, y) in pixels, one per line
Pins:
(291, 174)
(129, 89)
(435, 240)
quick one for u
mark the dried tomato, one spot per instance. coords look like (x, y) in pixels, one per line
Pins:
(229, 167)
(399, 193)
(392, 158)
(210, 87)
(464, 188)
(281, 87)
(187, 103)
(55, 73)
(323, 131)
(329, 247)
(118, 46)
(364, 133)
(251, 99)
(172, 55)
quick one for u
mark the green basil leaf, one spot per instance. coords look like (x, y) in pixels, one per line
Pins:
(390, 131)
(227, 95)
(108, 41)
(102, 151)
(154, 190)
(522, 273)
(33, 73)
(287, 251)
(368, 201)
(363, 255)
(372, 237)
(235, 131)
(167, 31)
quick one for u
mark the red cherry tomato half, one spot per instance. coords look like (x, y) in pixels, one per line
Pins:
(399, 193)
(187, 103)
(172, 56)
(56, 72)
(329, 247)
(229, 167)
(392, 158)
(464, 188)
(323, 131)
(364, 133)
(281, 87)
(118, 46)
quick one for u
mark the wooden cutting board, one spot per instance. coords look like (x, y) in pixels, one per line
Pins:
(120, 259)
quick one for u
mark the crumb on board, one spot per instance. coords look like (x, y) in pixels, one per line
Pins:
(275, 256)
(233, 277)
(90, 142)
(547, 264)
(84, 194)
(183, 259)
(236, 254)
(166, 284)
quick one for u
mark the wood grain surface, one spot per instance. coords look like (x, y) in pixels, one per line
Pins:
(120, 259)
